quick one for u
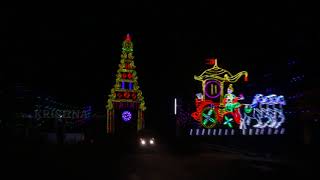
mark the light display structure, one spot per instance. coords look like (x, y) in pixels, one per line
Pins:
(47, 112)
(215, 108)
(126, 106)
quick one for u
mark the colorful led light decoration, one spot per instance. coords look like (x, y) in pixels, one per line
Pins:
(126, 116)
(126, 91)
(263, 112)
(208, 119)
(221, 76)
(226, 111)
(212, 89)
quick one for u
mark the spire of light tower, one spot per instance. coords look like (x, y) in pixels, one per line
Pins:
(128, 38)
(127, 45)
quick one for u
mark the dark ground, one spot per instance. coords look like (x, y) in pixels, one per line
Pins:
(179, 160)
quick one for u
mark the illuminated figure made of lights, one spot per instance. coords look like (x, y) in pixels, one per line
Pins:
(126, 106)
(213, 107)
(264, 111)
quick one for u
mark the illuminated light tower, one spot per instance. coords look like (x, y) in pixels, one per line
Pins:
(126, 106)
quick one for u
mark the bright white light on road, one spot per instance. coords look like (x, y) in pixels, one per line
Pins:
(151, 141)
(143, 142)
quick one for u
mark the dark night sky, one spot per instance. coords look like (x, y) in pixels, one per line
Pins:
(73, 52)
